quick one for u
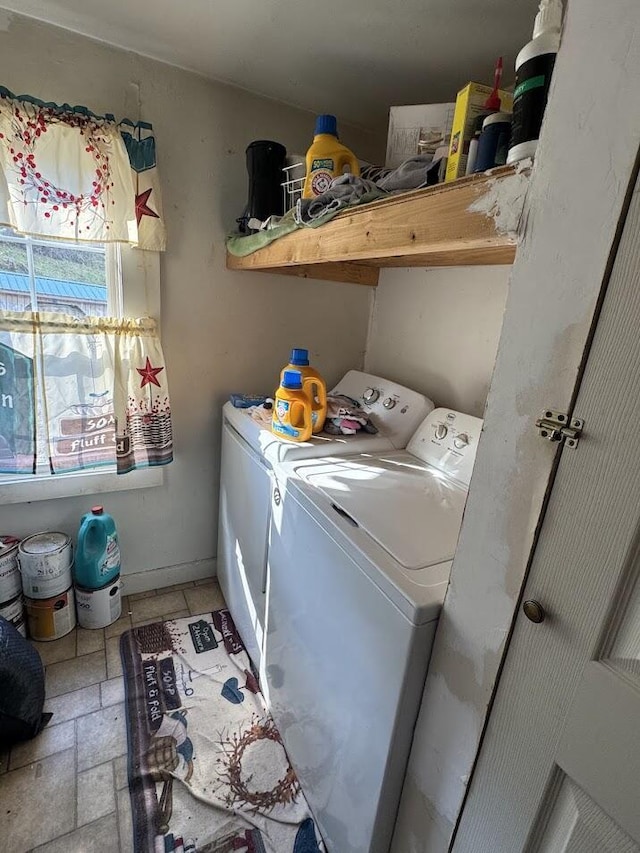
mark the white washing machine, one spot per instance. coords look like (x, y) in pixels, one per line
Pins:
(249, 454)
(359, 559)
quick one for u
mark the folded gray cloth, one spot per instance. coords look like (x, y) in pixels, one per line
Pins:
(371, 172)
(410, 175)
(344, 191)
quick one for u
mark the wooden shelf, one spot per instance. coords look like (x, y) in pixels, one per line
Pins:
(424, 228)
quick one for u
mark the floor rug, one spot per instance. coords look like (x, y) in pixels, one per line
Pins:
(207, 769)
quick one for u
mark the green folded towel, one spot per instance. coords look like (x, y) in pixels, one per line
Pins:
(242, 245)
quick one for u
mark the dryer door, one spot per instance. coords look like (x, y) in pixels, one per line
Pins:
(245, 500)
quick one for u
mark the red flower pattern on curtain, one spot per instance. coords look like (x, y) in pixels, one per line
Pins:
(71, 174)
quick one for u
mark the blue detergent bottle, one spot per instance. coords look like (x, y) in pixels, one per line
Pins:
(97, 561)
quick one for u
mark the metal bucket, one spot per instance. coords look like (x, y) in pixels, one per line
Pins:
(13, 611)
(45, 564)
(98, 608)
(10, 583)
(51, 618)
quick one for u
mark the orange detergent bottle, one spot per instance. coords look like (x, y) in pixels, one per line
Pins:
(292, 410)
(327, 158)
(313, 385)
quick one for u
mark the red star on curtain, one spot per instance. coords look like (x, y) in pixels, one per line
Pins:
(149, 374)
(142, 208)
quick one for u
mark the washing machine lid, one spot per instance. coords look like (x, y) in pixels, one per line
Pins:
(396, 411)
(411, 509)
(276, 450)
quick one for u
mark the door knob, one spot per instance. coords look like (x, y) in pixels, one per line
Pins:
(534, 611)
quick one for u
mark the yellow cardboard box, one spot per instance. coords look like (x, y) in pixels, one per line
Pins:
(469, 105)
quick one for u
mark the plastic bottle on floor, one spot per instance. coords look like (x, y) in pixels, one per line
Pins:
(292, 409)
(96, 570)
(313, 385)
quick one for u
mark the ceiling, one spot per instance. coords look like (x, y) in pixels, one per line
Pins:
(354, 58)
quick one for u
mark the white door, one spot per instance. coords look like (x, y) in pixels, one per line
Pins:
(559, 767)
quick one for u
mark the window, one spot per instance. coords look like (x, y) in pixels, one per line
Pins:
(81, 280)
(38, 275)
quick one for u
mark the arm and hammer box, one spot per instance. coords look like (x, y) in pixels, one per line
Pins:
(419, 129)
(469, 105)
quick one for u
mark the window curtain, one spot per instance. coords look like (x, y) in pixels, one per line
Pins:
(93, 391)
(70, 174)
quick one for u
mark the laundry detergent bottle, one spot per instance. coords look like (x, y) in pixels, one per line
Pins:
(327, 158)
(292, 409)
(313, 385)
(97, 562)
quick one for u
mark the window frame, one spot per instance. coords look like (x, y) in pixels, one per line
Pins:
(138, 297)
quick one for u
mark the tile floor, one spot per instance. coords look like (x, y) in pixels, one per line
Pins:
(66, 791)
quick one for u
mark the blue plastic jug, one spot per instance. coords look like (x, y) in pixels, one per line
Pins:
(97, 560)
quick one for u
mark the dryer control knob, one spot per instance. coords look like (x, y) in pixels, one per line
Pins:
(389, 403)
(461, 440)
(441, 431)
(370, 395)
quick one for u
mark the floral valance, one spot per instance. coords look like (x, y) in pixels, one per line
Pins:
(67, 173)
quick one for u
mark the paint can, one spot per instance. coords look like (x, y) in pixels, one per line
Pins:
(10, 583)
(51, 618)
(13, 611)
(11, 601)
(98, 608)
(45, 564)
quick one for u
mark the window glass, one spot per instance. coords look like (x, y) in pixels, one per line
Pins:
(38, 275)
(15, 292)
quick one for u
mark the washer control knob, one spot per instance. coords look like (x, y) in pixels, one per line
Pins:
(370, 395)
(389, 403)
(441, 431)
(461, 440)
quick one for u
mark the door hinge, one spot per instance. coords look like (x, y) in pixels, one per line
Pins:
(557, 426)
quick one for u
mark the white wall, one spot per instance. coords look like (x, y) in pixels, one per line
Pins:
(437, 331)
(221, 331)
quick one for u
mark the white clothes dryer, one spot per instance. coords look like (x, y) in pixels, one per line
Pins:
(360, 552)
(250, 453)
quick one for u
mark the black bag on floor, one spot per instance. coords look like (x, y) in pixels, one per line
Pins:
(21, 688)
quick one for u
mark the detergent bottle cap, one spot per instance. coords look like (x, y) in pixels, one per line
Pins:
(97, 510)
(326, 124)
(299, 356)
(549, 17)
(292, 380)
